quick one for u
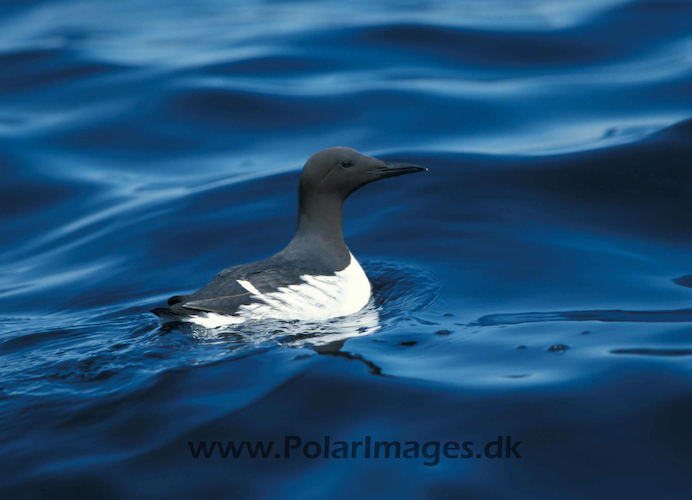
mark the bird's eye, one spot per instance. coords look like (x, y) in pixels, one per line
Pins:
(346, 163)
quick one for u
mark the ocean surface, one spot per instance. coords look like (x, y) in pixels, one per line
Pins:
(535, 283)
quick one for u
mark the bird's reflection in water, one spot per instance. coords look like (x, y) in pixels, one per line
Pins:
(324, 337)
(334, 349)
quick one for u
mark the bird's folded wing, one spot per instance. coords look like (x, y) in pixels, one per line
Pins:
(228, 291)
(228, 304)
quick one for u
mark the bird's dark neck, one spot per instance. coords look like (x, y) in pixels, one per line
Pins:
(319, 234)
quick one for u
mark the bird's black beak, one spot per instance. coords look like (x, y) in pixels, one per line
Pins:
(394, 169)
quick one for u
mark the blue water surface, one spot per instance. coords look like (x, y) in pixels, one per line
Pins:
(534, 283)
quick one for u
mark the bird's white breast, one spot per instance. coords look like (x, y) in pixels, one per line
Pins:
(318, 298)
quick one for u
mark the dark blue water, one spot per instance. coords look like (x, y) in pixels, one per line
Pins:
(535, 283)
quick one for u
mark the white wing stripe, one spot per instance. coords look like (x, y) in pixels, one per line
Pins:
(249, 287)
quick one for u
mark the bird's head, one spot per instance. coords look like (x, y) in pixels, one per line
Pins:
(338, 172)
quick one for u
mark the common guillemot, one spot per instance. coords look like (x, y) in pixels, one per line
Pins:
(315, 277)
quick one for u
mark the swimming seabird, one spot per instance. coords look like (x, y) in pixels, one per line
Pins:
(315, 277)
